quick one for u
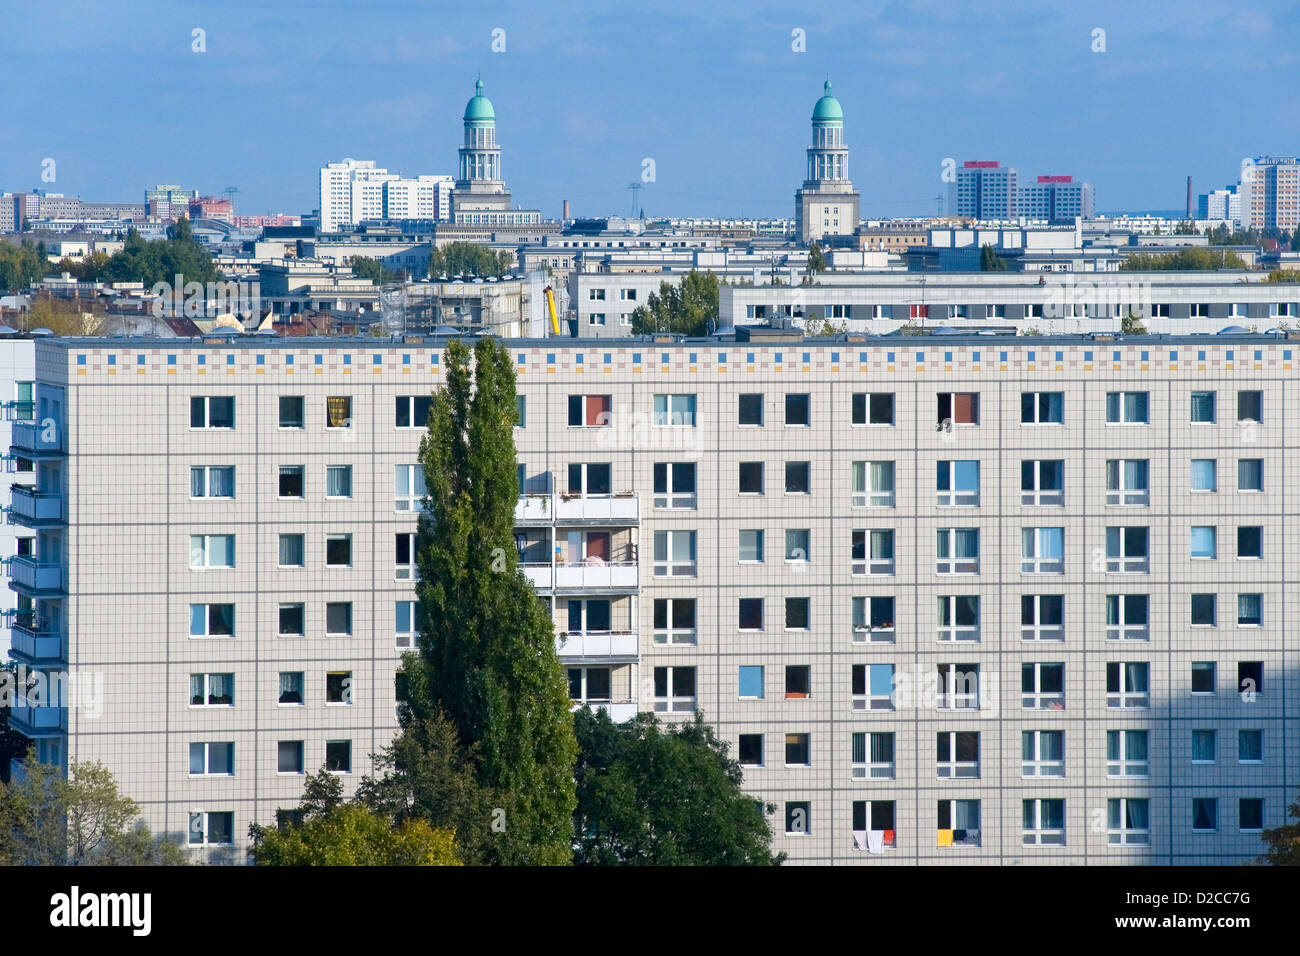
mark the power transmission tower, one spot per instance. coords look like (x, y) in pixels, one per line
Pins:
(636, 188)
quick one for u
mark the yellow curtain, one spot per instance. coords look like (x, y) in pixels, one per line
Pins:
(945, 838)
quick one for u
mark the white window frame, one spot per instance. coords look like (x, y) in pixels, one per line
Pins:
(869, 769)
(207, 621)
(945, 540)
(677, 500)
(1036, 765)
(1037, 496)
(670, 635)
(946, 606)
(1037, 562)
(1128, 698)
(868, 700)
(1121, 408)
(1037, 421)
(207, 688)
(1123, 764)
(1039, 699)
(1121, 631)
(952, 699)
(868, 565)
(952, 768)
(1121, 562)
(675, 703)
(207, 746)
(669, 416)
(1120, 494)
(952, 496)
(200, 547)
(204, 828)
(1038, 834)
(411, 502)
(863, 632)
(863, 497)
(207, 482)
(669, 566)
(1121, 834)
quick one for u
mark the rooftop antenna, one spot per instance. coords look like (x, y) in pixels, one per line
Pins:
(636, 188)
(938, 205)
(229, 193)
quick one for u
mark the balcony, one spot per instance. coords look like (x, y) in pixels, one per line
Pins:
(597, 645)
(34, 440)
(619, 576)
(31, 643)
(674, 705)
(539, 576)
(34, 509)
(36, 579)
(602, 510)
(620, 711)
(39, 721)
(533, 509)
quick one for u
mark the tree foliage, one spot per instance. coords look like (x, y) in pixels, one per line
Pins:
(1131, 324)
(663, 795)
(487, 650)
(686, 308)
(161, 260)
(990, 261)
(21, 265)
(469, 258)
(1283, 841)
(1184, 259)
(1283, 275)
(47, 820)
(364, 267)
(816, 260)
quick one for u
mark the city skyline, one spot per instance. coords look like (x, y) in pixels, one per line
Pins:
(950, 66)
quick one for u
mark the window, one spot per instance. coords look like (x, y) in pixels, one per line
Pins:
(675, 410)
(291, 412)
(1250, 679)
(1127, 550)
(1042, 482)
(1250, 746)
(958, 617)
(798, 545)
(750, 750)
(1250, 406)
(1205, 814)
(1204, 542)
(750, 682)
(957, 483)
(959, 687)
(674, 554)
(873, 551)
(1042, 408)
(958, 408)
(959, 823)
(1126, 753)
(589, 479)
(751, 478)
(209, 551)
(212, 759)
(409, 621)
(1127, 408)
(404, 557)
(291, 483)
(1042, 550)
(212, 620)
(1128, 481)
(413, 411)
(289, 757)
(798, 479)
(1203, 407)
(796, 817)
(291, 687)
(798, 681)
(589, 685)
(408, 487)
(292, 620)
(212, 411)
(674, 689)
(873, 686)
(1250, 610)
(957, 753)
(1128, 822)
(1043, 822)
(590, 411)
(873, 618)
(1204, 475)
(338, 618)
(338, 756)
(798, 409)
(750, 614)
(338, 550)
(1128, 617)
(338, 411)
(1203, 677)
(1204, 610)
(291, 551)
(1042, 686)
(873, 822)
(1127, 684)
(1042, 753)
(873, 408)
(1250, 474)
(797, 613)
(957, 551)
(338, 687)
(1250, 813)
(211, 481)
(873, 484)
(674, 620)
(1042, 617)
(873, 756)
(212, 829)
(1250, 542)
(1203, 746)
(338, 481)
(212, 690)
(521, 411)
(798, 750)
(750, 411)
(674, 484)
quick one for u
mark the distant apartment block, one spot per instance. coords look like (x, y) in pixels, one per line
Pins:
(357, 191)
(1056, 199)
(985, 189)
(1222, 204)
(1270, 193)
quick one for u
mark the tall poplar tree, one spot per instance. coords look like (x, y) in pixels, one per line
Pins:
(487, 650)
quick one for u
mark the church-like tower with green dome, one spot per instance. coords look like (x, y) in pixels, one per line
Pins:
(826, 205)
(479, 186)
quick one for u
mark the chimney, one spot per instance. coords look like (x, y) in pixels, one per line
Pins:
(565, 217)
(1189, 197)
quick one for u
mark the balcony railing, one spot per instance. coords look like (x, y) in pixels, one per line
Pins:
(39, 721)
(531, 508)
(620, 711)
(30, 575)
(674, 705)
(34, 438)
(604, 509)
(596, 644)
(613, 576)
(33, 643)
(539, 575)
(34, 508)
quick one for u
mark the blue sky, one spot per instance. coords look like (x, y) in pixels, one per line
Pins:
(713, 92)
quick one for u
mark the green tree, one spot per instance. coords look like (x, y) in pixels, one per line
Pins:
(1283, 275)
(816, 261)
(686, 308)
(1295, 240)
(990, 261)
(487, 650)
(364, 267)
(22, 264)
(1131, 324)
(1184, 259)
(1283, 841)
(469, 258)
(656, 795)
(162, 260)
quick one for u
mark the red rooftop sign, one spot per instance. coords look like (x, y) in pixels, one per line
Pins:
(981, 164)
(1055, 179)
